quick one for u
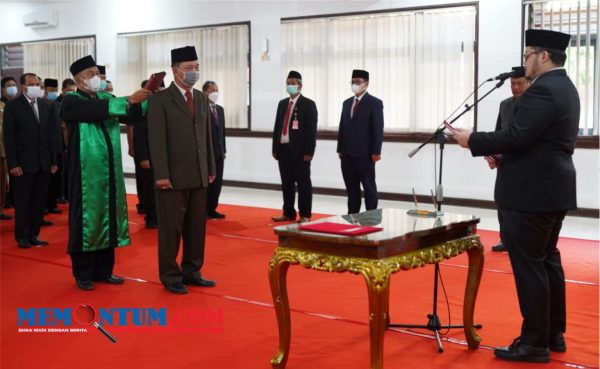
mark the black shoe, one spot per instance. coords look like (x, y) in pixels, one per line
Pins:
(54, 211)
(216, 215)
(283, 218)
(177, 288)
(61, 200)
(499, 247)
(518, 351)
(5, 216)
(35, 241)
(151, 224)
(46, 223)
(112, 279)
(199, 281)
(24, 243)
(557, 343)
(85, 284)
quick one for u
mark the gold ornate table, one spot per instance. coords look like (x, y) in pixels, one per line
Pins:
(406, 242)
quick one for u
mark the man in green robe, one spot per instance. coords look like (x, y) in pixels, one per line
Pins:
(97, 199)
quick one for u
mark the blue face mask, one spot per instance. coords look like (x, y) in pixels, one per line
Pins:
(292, 89)
(11, 91)
(102, 85)
(52, 96)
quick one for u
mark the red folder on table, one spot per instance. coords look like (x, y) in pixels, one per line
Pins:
(339, 228)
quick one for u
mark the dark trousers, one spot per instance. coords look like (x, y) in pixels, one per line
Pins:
(93, 264)
(30, 192)
(500, 224)
(3, 182)
(531, 241)
(64, 187)
(146, 192)
(181, 216)
(214, 189)
(295, 174)
(10, 194)
(54, 185)
(139, 186)
(357, 171)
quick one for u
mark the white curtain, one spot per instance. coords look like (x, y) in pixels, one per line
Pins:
(51, 59)
(580, 19)
(421, 63)
(222, 52)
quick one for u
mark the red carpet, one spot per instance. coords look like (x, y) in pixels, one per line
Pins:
(329, 318)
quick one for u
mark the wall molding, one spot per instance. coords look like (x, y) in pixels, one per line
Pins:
(424, 199)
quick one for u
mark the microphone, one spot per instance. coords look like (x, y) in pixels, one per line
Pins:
(517, 72)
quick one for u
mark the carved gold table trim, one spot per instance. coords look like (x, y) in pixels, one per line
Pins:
(377, 274)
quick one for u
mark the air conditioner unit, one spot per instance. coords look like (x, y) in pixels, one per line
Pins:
(41, 19)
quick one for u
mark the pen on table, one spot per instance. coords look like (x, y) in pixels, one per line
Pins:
(434, 200)
(415, 198)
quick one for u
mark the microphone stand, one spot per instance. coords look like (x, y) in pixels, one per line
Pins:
(434, 324)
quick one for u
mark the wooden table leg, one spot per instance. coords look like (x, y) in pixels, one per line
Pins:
(473, 278)
(278, 268)
(379, 294)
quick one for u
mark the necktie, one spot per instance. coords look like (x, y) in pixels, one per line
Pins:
(213, 109)
(286, 121)
(190, 101)
(356, 102)
(35, 112)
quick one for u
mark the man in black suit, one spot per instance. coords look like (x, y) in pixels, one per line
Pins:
(29, 138)
(50, 96)
(68, 85)
(141, 155)
(535, 187)
(217, 119)
(518, 85)
(294, 142)
(360, 137)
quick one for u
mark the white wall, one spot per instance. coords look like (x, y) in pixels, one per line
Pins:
(249, 159)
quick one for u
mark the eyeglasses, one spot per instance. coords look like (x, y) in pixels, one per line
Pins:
(527, 55)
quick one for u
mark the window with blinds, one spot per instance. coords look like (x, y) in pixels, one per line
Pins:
(421, 63)
(51, 59)
(223, 52)
(11, 57)
(579, 18)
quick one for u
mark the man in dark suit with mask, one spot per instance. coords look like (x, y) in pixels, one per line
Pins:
(535, 187)
(294, 142)
(29, 139)
(518, 85)
(181, 155)
(360, 137)
(217, 119)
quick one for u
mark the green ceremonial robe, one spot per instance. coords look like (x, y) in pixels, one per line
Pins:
(97, 198)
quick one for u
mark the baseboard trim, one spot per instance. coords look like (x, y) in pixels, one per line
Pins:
(454, 201)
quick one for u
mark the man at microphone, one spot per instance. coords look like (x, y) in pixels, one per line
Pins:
(518, 85)
(534, 190)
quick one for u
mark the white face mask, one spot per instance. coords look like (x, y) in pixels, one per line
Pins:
(356, 88)
(33, 92)
(93, 84)
(213, 97)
